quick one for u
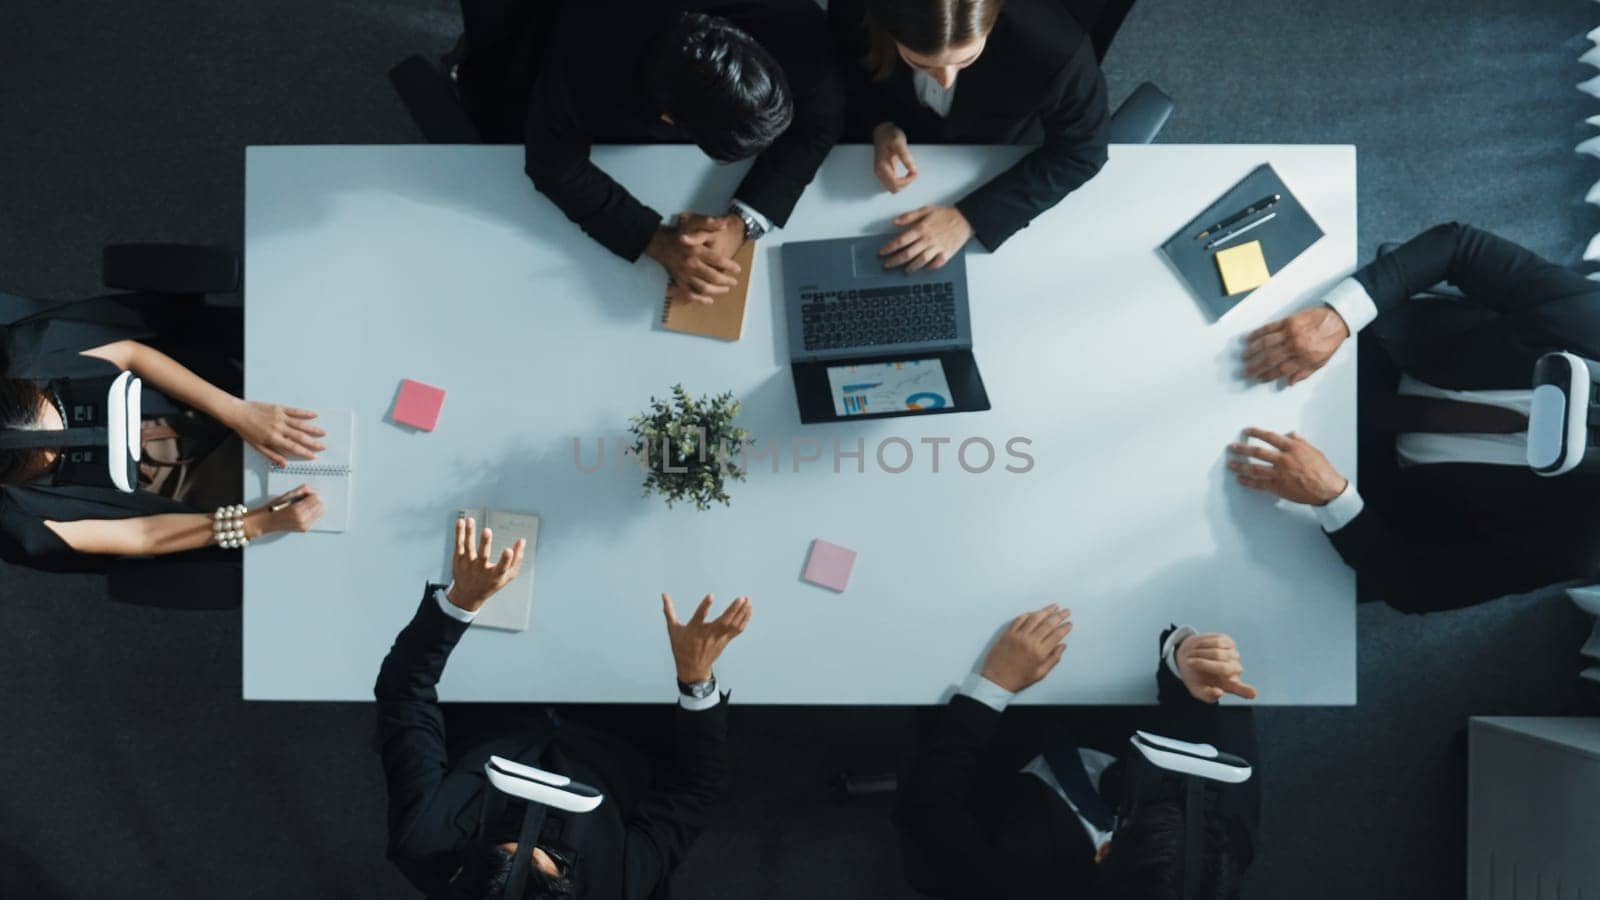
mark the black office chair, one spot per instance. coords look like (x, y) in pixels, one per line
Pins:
(851, 786)
(173, 270)
(432, 101)
(177, 269)
(1142, 116)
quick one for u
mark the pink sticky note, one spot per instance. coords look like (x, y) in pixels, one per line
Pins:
(829, 565)
(418, 404)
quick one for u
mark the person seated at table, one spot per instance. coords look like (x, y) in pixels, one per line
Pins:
(1449, 514)
(191, 450)
(1015, 814)
(433, 758)
(972, 72)
(740, 79)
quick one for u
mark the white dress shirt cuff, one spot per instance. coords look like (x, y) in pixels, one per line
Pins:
(1169, 648)
(1353, 304)
(1341, 510)
(752, 212)
(702, 704)
(450, 609)
(986, 692)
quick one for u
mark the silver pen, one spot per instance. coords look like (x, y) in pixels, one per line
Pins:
(1236, 232)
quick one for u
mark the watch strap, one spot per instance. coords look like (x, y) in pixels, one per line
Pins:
(698, 690)
(753, 231)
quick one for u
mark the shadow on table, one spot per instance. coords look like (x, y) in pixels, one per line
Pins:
(630, 291)
(1243, 524)
(543, 478)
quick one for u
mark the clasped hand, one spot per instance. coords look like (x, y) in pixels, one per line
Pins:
(698, 256)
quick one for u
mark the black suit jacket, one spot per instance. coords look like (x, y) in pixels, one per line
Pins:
(1443, 536)
(1037, 80)
(592, 89)
(639, 834)
(1006, 835)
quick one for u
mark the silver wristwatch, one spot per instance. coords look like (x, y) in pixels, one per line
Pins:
(752, 227)
(698, 690)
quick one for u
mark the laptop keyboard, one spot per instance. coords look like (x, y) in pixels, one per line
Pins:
(902, 314)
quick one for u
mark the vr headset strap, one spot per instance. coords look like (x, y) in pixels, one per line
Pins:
(34, 439)
(532, 824)
(1194, 836)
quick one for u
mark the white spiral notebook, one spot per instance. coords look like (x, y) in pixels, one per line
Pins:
(332, 473)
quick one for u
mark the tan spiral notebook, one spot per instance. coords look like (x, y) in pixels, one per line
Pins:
(723, 319)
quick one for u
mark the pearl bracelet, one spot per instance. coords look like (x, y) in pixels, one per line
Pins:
(227, 527)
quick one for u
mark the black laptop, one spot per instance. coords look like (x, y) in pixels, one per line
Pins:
(867, 342)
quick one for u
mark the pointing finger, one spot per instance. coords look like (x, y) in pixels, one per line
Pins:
(668, 610)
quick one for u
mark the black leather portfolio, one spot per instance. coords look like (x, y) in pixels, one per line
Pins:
(1260, 208)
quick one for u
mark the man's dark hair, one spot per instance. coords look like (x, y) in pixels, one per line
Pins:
(722, 88)
(1147, 856)
(486, 873)
(19, 408)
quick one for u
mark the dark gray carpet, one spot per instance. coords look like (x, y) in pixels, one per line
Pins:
(129, 768)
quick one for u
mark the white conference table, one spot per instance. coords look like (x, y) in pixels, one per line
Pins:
(366, 265)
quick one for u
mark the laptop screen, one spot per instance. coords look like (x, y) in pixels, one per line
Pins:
(908, 385)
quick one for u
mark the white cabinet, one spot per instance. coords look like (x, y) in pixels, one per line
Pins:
(1533, 809)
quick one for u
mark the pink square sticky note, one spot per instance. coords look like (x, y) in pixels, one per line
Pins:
(829, 565)
(418, 404)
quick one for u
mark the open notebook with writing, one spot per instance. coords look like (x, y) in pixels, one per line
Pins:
(332, 473)
(510, 608)
(723, 319)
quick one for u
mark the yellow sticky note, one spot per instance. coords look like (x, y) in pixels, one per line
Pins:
(1243, 268)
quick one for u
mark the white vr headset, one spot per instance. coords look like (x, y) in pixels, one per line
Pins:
(1194, 765)
(539, 786)
(543, 792)
(1562, 421)
(1184, 758)
(101, 444)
